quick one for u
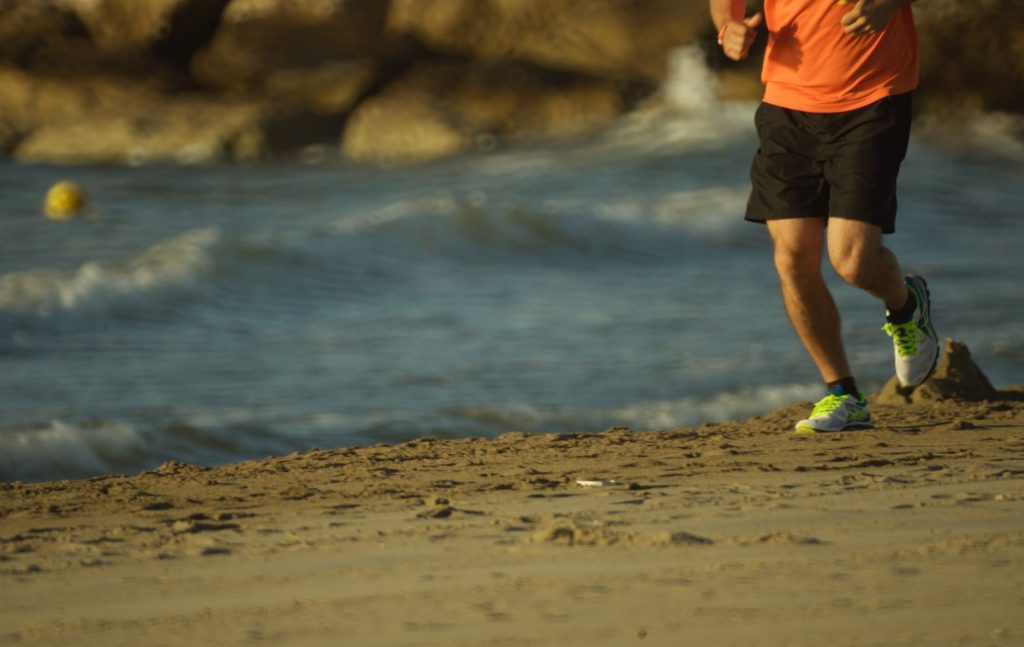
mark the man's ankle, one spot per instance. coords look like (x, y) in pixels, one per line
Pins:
(904, 313)
(843, 386)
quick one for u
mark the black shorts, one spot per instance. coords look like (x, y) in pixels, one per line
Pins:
(843, 164)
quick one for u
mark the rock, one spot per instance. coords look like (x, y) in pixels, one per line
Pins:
(181, 131)
(68, 38)
(624, 39)
(26, 27)
(956, 377)
(50, 40)
(986, 76)
(191, 27)
(331, 88)
(119, 25)
(127, 26)
(441, 109)
(33, 100)
(402, 125)
(321, 52)
(117, 120)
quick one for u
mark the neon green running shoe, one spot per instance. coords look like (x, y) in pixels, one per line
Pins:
(915, 343)
(837, 413)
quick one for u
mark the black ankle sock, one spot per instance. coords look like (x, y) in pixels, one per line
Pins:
(845, 386)
(906, 312)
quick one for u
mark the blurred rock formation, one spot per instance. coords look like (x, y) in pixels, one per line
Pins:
(392, 81)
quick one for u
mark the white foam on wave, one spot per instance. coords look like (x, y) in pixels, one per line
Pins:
(172, 263)
(479, 218)
(687, 114)
(731, 405)
(670, 414)
(33, 453)
(699, 210)
(690, 86)
(710, 212)
(439, 204)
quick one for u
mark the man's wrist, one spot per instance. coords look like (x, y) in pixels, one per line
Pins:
(721, 31)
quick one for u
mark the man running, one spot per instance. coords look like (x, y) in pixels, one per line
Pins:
(833, 129)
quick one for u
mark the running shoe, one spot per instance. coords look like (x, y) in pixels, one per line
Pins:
(837, 413)
(915, 343)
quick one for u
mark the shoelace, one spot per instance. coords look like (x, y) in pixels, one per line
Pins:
(905, 337)
(827, 405)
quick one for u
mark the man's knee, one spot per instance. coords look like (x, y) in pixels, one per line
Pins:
(854, 249)
(793, 262)
(853, 264)
(797, 244)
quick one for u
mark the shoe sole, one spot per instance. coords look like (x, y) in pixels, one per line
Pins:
(930, 330)
(805, 429)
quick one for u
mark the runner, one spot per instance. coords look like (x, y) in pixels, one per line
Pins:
(833, 129)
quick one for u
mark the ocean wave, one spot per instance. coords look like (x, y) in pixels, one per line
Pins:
(708, 213)
(731, 405)
(361, 249)
(63, 450)
(467, 225)
(491, 221)
(60, 449)
(170, 265)
(687, 115)
(685, 412)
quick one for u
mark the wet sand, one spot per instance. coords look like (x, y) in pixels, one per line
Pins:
(732, 533)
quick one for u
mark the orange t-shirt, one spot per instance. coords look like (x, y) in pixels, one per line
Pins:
(812, 66)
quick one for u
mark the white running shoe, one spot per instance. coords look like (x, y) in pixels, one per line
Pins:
(915, 343)
(837, 413)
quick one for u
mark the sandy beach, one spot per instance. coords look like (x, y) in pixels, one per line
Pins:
(732, 533)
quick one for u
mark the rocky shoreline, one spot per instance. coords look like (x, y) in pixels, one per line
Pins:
(390, 81)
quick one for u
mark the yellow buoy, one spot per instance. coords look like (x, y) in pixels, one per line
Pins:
(64, 200)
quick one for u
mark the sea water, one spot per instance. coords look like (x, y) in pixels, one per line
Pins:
(213, 314)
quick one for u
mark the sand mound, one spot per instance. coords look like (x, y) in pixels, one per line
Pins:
(957, 378)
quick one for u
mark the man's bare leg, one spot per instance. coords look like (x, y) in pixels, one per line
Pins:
(798, 246)
(856, 252)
